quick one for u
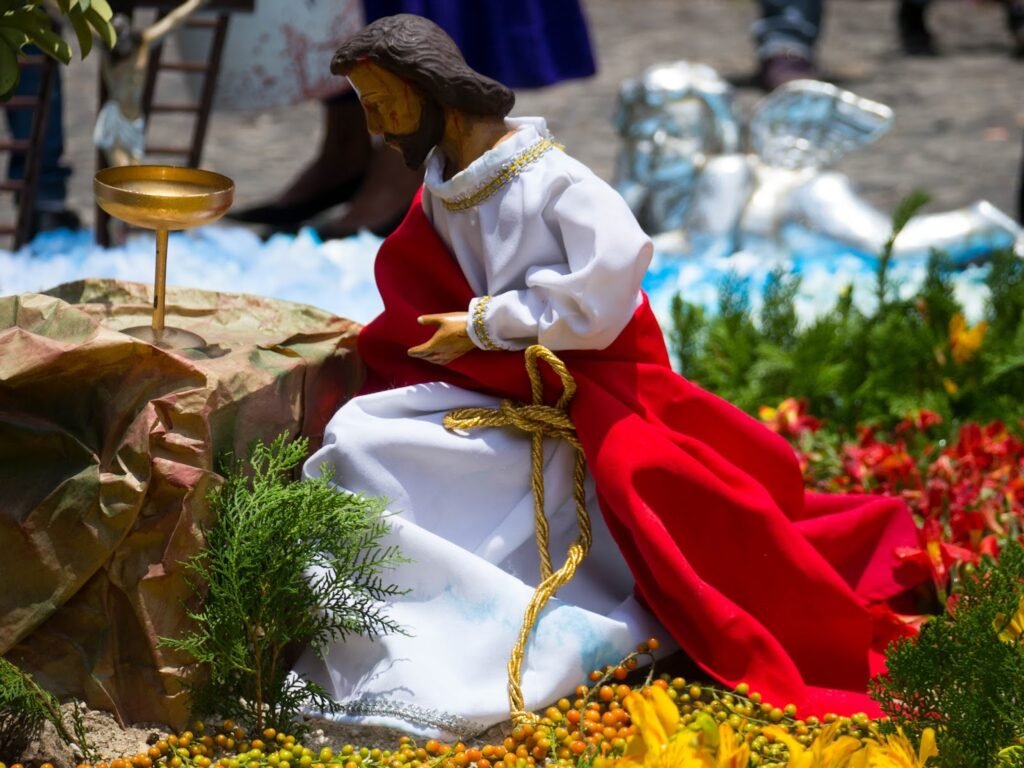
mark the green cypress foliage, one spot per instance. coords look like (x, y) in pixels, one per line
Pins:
(25, 706)
(960, 677)
(286, 564)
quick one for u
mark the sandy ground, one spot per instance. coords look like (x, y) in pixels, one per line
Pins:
(957, 134)
(108, 740)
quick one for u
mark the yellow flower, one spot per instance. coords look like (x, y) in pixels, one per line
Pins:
(658, 742)
(828, 750)
(656, 718)
(733, 751)
(1010, 632)
(964, 342)
(895, 751)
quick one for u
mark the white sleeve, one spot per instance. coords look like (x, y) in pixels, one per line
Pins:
(584, 300)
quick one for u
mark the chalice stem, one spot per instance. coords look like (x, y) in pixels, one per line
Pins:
(160, 283)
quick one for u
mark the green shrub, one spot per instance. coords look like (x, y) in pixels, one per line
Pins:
(964, 674)
(25, 706)
(854, 368)
(286, 564)
(24, 22)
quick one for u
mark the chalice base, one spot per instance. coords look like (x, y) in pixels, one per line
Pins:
(168, 338)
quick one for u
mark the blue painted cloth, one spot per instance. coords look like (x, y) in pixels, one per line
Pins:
(520, 43)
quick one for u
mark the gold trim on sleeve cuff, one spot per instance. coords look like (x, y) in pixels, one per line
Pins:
(479, 309)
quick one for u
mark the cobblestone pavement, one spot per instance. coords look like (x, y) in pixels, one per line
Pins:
(957, 133)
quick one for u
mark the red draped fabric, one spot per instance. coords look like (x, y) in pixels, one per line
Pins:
(757, 580)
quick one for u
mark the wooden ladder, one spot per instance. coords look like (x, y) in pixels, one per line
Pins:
(189, 154)
(24, 190)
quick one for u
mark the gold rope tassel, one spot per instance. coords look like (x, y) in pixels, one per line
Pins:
(540, 421)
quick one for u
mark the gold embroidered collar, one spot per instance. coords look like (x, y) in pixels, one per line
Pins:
(505, 173)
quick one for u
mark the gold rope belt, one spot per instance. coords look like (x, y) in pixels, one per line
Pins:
(540, 421)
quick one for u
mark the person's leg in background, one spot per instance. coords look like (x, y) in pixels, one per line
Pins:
(50, 210)
(786, 36)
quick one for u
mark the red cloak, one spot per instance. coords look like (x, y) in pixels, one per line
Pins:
(757, 580)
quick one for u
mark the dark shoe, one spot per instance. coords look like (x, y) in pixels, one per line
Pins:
(784, 67)
(283, 215)
(915, 38)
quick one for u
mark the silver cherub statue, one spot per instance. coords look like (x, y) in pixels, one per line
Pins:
(686, 168)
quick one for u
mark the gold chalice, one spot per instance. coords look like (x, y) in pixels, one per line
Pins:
(162, 198)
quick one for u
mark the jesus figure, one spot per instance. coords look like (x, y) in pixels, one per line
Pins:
(703, 534)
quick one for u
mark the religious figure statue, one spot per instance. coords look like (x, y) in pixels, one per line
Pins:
(120, 124)
(701, 530)
(684, 168)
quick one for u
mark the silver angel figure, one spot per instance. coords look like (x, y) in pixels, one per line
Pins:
(686, 168)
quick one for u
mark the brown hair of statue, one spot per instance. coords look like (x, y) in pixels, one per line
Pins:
(418, 50)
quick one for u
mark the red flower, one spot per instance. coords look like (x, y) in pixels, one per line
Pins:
(789, 418)
(935, 555)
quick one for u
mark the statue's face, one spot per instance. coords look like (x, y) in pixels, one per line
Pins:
(395, 109)
(392, 105)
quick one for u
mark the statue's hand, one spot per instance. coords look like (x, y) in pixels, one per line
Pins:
(449, 342)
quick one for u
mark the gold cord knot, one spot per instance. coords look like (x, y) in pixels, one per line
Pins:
(539, 421)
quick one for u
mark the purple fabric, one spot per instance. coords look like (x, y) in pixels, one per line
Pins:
(520, 43)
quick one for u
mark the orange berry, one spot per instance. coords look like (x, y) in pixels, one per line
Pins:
(577, 747)
(473, 755)
(606, 693)
(653, 643)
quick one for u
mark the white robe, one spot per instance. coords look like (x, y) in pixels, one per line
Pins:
(561, 258)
